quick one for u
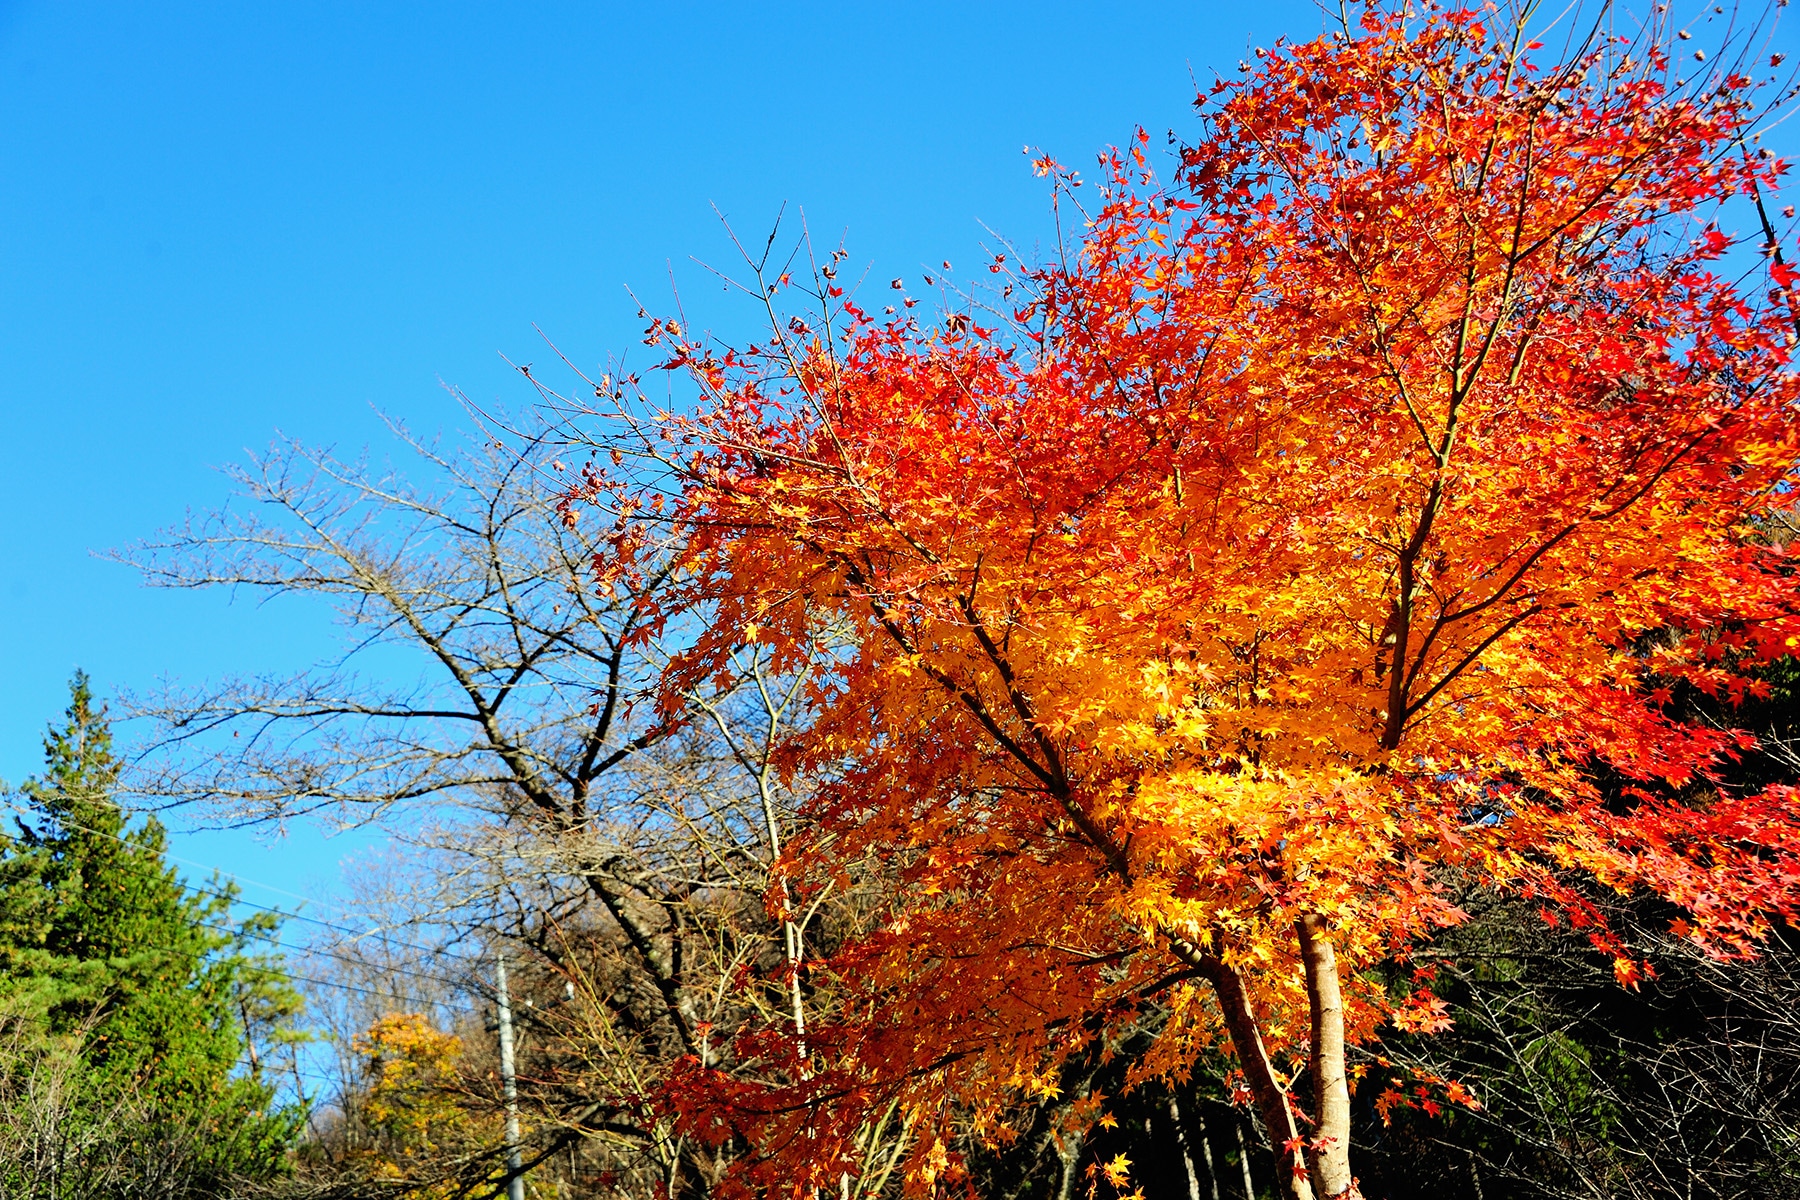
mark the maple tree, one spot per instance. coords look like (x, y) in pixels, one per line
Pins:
(1329, 518)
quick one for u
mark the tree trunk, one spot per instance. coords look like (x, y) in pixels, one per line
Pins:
(1237, 1127)
(1328, 1153)
(1259, 1074)
(1070, 1153)
(1187, 1156)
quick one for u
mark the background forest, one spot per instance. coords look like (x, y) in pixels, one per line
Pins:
(705, 755)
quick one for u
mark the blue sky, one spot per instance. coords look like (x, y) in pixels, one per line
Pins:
(217, 220)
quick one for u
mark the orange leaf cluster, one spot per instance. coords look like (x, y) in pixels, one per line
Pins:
(1323, 519)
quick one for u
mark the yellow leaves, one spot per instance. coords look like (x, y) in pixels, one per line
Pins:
(933, 1162)
(1117, 1171)
(1127, 663)
(1156, 680)
(406, 1054)
(413, 1103)
(903, 666)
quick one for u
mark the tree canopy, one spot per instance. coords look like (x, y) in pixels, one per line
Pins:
(143, 989)
(1338, 517)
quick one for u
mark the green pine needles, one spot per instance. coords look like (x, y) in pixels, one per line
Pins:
(134, 1012)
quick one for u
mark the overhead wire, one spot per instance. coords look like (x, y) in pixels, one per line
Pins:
(285, 914)
(470, 980)
(390, 969)
(286, 1070)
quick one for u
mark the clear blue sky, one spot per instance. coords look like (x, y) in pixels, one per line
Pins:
(217, 220)
(221, 219)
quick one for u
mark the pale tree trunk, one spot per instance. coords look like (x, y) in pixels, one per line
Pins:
(1237, 1127)
(1328, 1153)
(1291, 1181)
(1070, 1153)
(1187, 1150)
(1187, 1155)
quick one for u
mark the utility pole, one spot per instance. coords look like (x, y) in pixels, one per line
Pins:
(509, 1083)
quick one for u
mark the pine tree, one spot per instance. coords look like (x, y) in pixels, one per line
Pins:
(142, 985)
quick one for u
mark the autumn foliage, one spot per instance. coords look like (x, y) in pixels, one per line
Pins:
(411, 1109)
(1339, 514)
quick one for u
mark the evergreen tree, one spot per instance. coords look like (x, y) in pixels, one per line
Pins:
(139, 987)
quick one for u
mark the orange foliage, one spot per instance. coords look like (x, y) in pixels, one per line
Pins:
(1321, 520)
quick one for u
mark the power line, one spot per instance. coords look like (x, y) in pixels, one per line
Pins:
(232, 899)
(188, 862)
(472, 965)
(347, 987)
(287, 915)
(343, 958)
(470, 980)
(279, 1071)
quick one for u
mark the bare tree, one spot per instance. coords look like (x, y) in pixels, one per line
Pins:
(528, 763)
(1688, 1087)
(528, 675)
